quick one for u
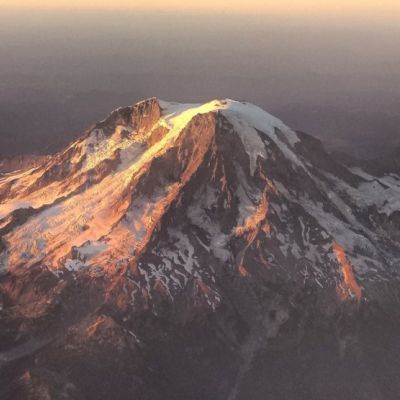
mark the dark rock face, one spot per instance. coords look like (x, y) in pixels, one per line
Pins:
(204, 252)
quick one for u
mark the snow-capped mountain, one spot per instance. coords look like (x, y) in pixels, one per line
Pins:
(172, 248)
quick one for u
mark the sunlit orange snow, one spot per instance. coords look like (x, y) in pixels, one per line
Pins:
(349, 283)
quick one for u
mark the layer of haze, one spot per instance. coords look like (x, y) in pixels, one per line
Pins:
(335, 77)
(351, 8)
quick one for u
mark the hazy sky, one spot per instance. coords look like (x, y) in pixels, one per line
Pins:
(353, 8)
(328, 67)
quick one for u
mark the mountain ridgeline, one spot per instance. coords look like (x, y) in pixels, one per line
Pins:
(181, 251)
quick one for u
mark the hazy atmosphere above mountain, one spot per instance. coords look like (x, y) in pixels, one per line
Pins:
(353, 9)
(199, 200)
(330, 70)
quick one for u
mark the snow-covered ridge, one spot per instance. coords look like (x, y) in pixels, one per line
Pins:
(180, 113)
(246, 119)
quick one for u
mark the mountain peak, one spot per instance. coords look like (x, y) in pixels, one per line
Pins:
(98, 204)
(172, 226)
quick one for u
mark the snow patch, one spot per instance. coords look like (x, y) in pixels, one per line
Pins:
(74, 265)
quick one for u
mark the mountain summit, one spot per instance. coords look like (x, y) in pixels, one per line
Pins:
(181, 251)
